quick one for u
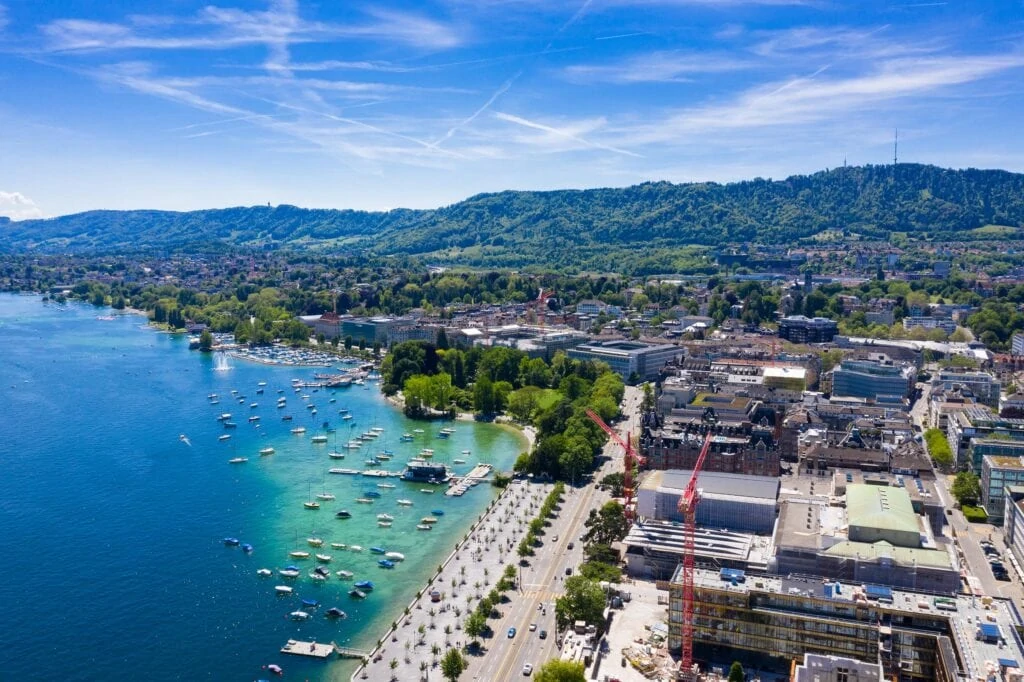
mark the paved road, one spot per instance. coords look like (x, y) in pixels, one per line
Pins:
(542, 580)
(968, 536)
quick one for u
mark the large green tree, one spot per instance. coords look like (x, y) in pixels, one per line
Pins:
(557, 670)
(453, 664)
(607, 524)
(583, 600)
(966, 488)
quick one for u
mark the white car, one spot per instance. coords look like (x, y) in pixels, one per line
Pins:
(533, 626)
(528, 669)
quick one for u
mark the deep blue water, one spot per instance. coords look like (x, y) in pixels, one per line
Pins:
(111, 527)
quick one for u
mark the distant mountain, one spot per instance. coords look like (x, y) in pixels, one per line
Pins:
(588, 228)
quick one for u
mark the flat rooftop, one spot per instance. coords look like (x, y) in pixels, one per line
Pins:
(674, 481)
(711, 544)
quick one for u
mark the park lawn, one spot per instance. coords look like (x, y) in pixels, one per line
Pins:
(548, 398)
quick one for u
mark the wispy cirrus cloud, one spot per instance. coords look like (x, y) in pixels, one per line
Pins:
(812, 98)
(664, 66)
(222, 28)
(3, 18)
(561, 138)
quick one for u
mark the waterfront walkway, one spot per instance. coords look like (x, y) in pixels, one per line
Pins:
(428, 628)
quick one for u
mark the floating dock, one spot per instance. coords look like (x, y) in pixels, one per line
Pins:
(309, 649)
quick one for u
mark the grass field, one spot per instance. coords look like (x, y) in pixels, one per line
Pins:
(548, 398)
(995, 231)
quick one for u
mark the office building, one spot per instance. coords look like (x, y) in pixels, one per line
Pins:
(801, 329)
(822, 668)
(728, 501)
(873, 378)
(979, 423)
(997, 473)
(983, 386)
(630, 359)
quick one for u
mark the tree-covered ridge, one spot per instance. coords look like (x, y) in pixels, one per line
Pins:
(581, 228)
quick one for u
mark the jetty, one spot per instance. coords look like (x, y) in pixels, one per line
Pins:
(461, 484)
(317, 650)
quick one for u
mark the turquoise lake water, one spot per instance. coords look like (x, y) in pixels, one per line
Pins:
(112, 527)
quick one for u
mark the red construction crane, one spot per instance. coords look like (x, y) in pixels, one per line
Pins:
(628, 457)
(688, 506)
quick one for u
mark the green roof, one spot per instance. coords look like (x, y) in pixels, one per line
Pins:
(904, 556)
(884, 507)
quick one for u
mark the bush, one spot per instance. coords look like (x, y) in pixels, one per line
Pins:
(974, 514)
(938, 447)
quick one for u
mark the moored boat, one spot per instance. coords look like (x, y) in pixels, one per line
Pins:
(405, 503)
(299, 430)
(283, 589)
(266, 451)
(343, 514)
(335, 612)
(385, 517)
(324, 558)
(378, 550)
(386, 563)
(357, 594)
(264, 572)
(238, 460)
(395, 556)
(344, 575)
(226, 436)
(365, 585)
(232, 542)
(298, 615)
(319, 439)
(424, 526)
(312, 504)
(299, 554)
(314, 542)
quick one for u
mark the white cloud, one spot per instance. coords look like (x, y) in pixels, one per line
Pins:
(661, 66)
(221, 28)
(17, 206)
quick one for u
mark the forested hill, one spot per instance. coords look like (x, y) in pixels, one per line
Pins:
(579, 227)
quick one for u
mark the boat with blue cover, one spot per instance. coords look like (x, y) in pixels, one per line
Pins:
(386, 563)
(365, 584)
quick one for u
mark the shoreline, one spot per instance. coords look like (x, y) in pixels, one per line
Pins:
(461, 579)
(526, 434)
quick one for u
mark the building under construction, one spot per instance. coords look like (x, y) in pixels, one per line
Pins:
(912, 635)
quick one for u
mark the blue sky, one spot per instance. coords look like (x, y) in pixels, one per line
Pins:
(339, 103)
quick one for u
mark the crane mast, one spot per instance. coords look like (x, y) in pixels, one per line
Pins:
(688, 506)
(629, 456)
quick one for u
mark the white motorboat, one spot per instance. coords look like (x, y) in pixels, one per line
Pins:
(266, 451)
(345, 575)
(299, 429)
(319, 439)
(283, 589)
(238, 460)
(225, 436)
(395, 556)
(325, 496)
(264, 572)
(405, 503)
(324, 558)
(384, 524)
(298, 554)
(314, 542)
(385, 517)
(338, 545)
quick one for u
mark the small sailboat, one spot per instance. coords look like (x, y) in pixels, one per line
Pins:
(428, 519)
(325, 496)
(336, 455)
(299, 430)
(319, 439)
(299, 554)
(314, 542)
(324, 558)
(311, 504)
(385, 517)
(338, 545)
(364, 500)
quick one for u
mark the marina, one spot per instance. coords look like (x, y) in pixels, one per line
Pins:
(233, 501)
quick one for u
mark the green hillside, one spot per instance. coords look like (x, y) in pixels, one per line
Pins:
(597, 229)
